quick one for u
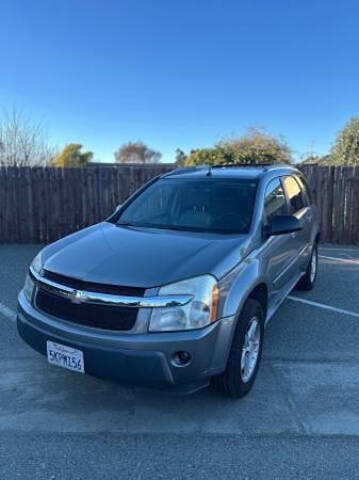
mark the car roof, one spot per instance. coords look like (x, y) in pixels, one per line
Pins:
(231, 171)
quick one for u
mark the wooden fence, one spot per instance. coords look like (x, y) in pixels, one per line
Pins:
(336, 193)
(40, 205)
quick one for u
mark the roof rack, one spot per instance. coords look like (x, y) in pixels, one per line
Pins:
(250, 165)
(194, 168)
(180, 170)
(229, 165)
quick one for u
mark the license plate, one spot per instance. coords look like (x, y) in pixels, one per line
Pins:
(66, 357)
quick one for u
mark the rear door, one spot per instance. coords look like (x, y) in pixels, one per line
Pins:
(279, 250)
(299, 206)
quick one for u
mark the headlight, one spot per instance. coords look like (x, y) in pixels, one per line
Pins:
(199, 312)
(28, 287)
(36, 264)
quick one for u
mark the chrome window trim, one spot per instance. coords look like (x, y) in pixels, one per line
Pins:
(84, 296)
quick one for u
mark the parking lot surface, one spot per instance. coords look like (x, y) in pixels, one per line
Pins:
(300, 421)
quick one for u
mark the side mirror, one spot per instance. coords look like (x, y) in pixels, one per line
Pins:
(282, 224)
(118, 207)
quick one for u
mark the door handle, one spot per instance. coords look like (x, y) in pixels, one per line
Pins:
(293, 234)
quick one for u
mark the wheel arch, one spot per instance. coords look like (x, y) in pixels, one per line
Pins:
(259, 293)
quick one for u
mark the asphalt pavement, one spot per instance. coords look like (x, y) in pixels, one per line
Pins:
(300, 421)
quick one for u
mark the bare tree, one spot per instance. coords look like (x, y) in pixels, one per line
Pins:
(137, 152)
(22, 143)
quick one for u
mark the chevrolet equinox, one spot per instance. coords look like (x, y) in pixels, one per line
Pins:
(175, 288)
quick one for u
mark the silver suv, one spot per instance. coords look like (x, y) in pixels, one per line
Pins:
(175, 288)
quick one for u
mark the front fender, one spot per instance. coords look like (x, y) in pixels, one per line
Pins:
(236, 286)
(234, 290)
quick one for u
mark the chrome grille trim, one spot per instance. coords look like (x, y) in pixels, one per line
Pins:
(84, 296)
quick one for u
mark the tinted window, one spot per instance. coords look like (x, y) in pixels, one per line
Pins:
(294, 193)
(206, 204)
(275, 202)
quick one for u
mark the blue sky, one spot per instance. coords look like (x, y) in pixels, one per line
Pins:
(181, 73)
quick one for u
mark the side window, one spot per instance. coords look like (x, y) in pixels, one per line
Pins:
(304, 186)
(294, 193)
(275, 202)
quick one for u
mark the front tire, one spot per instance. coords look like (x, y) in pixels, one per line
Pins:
(308, 280)
(245, 354)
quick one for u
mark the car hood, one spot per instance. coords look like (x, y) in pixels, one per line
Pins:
(129, 256)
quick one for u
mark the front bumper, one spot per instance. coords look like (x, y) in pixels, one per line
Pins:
(141, 358)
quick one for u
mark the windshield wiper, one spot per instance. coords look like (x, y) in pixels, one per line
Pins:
(179, 228)
(125, 224)
(163, 227)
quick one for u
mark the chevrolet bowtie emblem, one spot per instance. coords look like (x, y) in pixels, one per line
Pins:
(77, 296)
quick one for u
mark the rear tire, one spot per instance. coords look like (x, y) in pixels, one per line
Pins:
(308, 280)
(245, 354)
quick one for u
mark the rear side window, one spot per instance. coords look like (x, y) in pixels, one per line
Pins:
(295, 194)
(304, 186)
(275, 202)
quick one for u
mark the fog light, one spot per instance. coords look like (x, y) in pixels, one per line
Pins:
(181, 359)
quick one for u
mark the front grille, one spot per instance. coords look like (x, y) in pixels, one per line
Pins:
(92, 286)
(92, 315)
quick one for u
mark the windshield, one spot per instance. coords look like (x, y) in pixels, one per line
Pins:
(207, 204)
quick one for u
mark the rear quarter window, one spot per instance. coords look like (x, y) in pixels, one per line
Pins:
(304, 186)
(295, 194)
